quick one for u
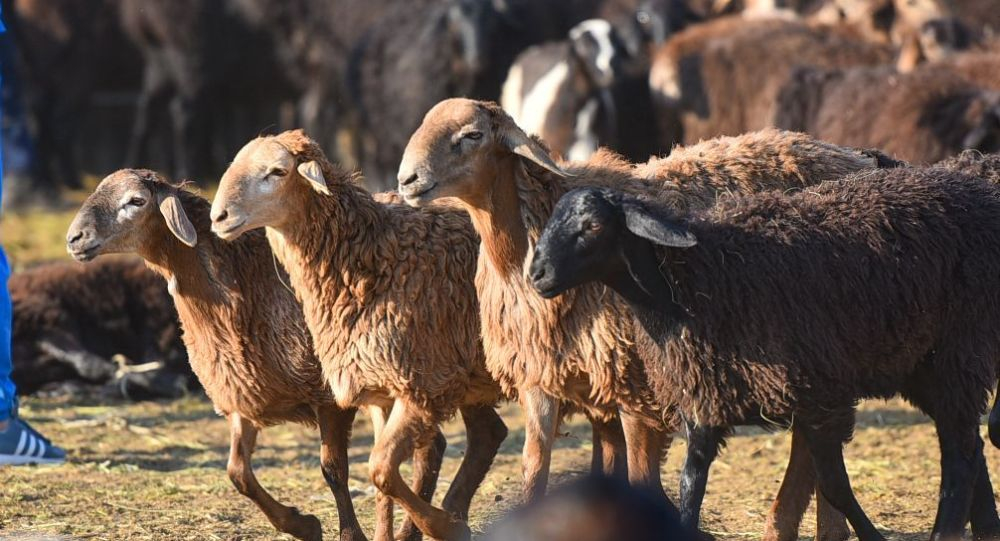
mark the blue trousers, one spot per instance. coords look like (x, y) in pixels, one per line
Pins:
(8, 396)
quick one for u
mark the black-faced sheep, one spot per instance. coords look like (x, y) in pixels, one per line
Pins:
(921, 117)
(580, 350)
(69, 325)
(795, 306)
(243, 329)
(388, 298)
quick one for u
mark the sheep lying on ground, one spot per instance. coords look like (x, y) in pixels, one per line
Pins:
(69, 325)
(796, 306)
(580, 349)
(921, 117)
(244, 331)
(388, 299)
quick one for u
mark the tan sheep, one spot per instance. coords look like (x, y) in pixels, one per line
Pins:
(388, 299)
(244, 332)
(580, 348)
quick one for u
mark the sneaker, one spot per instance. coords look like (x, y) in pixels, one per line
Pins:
(21, 444)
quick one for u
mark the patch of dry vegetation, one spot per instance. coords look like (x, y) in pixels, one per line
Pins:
(157, 471)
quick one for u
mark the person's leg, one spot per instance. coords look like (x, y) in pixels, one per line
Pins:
(7, 390)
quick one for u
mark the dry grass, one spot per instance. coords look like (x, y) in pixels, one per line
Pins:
(156, 471)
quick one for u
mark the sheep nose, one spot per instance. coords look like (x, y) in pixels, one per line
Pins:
(73, 237)
(220, 216)
(537, 271)
(408, 180)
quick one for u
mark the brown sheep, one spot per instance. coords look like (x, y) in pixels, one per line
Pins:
(580, 348)
(388, 299)
(920, 117)
(723, 77)
(69, 325)
(244, 331)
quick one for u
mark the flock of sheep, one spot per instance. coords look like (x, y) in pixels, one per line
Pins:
(772, 278)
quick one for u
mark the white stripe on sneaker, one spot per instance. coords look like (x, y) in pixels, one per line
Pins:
(41, 448)
(21, 443)
(31, 445)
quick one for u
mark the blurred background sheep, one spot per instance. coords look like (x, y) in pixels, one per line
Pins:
(179, 85)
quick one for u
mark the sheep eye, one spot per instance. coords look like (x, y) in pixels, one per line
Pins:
(277, 172)
(136, 202)
(473, 135)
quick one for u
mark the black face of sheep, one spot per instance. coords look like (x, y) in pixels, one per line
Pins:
(985, 137)
(467, 22)
(598, 235)
(599, 50)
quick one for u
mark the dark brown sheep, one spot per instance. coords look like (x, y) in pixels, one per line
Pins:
(243, 329)
(795, 306)
(920, 117)
(723, 77)
(68, 324)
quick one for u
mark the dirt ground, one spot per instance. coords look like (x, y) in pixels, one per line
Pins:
(157, 471)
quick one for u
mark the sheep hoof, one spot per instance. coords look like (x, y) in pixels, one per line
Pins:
(408, 532)
(305, 527)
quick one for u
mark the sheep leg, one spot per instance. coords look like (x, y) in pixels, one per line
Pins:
(703, 446)
(406, 427)
(960, 450)
(983, 514)
(243, 438)
(426, 467)
(826, 445)
(485, 431)
(383, 503)
(793, 499)
(541, 415)
(647, 447)
(610, 454)
(335, 435)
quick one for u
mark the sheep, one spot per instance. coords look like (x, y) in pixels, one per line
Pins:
(920, 117)
(244, 331)
(794, 306)
(62, 52)
(976, 164)
(68, 325)
(579, 350)
(582, 93)
(199, 56)
(388, 300)
(723, 77)
(410, 60)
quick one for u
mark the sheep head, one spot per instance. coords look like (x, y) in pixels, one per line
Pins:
(597, 234)
(129, 210)
(458, 150)
(266, 175)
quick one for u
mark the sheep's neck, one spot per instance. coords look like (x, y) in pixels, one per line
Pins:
(497, 219)
(182, 267)
(647, 290)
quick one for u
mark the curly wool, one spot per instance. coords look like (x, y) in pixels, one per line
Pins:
(580, 346)
(387, 292)
(244, 331)
(844, 291)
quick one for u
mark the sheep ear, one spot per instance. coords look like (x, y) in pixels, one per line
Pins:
(177, 220)
(519, 143)
(642, 222)
(312, 172)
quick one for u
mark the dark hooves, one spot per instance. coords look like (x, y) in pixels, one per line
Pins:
(306, 528)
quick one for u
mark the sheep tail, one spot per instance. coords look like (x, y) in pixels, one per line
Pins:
(994, 423)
